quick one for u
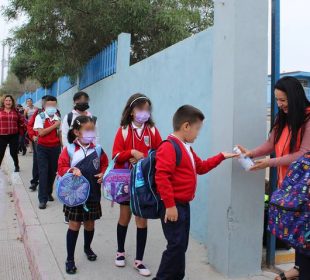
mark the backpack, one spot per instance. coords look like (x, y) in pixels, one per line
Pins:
(70, 118)
(72, 190)
(115, 183)
(145, 202)
(289, 210)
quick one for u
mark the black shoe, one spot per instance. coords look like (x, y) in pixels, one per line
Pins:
(70, 267)
(50, 198)
(24, 151)
(17, 169)
(33, 187)
(91, 256)
(42, 205)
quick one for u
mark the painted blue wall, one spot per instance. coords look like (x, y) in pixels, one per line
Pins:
(181, 74)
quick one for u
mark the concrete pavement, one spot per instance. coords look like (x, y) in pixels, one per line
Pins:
(44, 233)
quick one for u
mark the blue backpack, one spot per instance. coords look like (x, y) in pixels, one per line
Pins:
(289, 211)
(144, 199)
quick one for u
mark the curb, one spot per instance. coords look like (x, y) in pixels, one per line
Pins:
(42, 263)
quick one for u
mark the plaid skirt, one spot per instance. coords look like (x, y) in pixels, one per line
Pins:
(79, 214)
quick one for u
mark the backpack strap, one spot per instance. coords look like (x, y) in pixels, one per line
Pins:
(177, 149)
(69, 119)
(125, 132)
(153, 130)
(71, 150)
(98, 149)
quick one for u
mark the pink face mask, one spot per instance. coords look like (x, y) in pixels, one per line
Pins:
(142, 117)
(88, 137)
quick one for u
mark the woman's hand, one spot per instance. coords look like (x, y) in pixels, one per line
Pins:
(260, 164)
(229, 155)
(137, 155)
(99, 176)
(245, 151)
(76, 172)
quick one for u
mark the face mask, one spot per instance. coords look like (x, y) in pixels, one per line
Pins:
(142, 117)
(51, 111)
(81, 106)
(88, 137)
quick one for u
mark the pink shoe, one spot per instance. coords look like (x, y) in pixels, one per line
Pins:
(120, 260)
(144, 271)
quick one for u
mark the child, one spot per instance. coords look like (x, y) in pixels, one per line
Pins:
(47, 125)
(136, 136)
(83, 135)
(176, 186)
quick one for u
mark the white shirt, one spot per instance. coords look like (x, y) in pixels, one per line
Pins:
(81, 153)
(188, 149)
(65, 127)
(39, 122)
(138, 129)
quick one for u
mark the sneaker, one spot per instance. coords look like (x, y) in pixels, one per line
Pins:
(17, 169)
(144, 271)
(70, 267)
(66, 220)
(120, 260)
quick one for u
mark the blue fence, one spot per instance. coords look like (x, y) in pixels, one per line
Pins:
(99, 67)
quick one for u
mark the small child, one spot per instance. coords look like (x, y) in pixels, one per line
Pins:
(47, 124)
(83, 162)
(135, 137)
(176, 186)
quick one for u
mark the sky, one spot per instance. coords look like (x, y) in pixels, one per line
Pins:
(295, 39)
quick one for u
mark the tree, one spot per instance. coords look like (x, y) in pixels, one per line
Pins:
(60, 36)
(13, 87)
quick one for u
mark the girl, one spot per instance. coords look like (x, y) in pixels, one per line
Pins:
(136, 136)
(82, 135)
(289, 138)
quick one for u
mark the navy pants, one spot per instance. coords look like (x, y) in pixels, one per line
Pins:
(303, 262)
(47, 163)
(12, 141)
(172, 265)
(35, 168)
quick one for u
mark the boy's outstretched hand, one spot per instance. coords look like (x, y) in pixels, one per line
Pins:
(171, 214)
(230, 155)
(100, 177)
(76, 172)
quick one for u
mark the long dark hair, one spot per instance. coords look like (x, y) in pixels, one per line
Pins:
(136, 100)
(297, 114)
(77, 124)
(13, 101)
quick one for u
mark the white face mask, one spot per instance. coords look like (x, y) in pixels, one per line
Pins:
(51, 111)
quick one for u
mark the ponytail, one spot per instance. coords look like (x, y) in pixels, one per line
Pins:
(71, 136)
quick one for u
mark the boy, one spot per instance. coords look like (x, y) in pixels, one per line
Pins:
(81, 105)
(47, 125)
(176, 186)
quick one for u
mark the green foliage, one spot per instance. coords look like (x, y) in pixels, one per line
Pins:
(60, 36)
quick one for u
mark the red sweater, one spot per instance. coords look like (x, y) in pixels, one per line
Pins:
(143, 144)
(178, 183)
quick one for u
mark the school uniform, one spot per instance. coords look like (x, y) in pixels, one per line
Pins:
(141, 138)
(86, 159)
(176, 186)
(48, 150)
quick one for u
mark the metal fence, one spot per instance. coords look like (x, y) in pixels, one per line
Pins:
(99, 67)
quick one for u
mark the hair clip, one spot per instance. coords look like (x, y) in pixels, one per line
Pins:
(78, 122)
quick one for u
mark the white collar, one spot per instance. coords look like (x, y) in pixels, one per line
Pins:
(53, 118)
(88, 114)
(83, 147)
(136, 127)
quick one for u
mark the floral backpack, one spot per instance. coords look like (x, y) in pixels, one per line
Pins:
(289, 211)
(72, 190)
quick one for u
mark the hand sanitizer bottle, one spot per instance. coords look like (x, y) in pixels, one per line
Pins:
(245, 162)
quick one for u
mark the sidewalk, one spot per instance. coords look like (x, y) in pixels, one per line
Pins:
(13, 259)
(44, 233)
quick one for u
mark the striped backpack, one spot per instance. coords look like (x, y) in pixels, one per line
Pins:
(289, 211)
